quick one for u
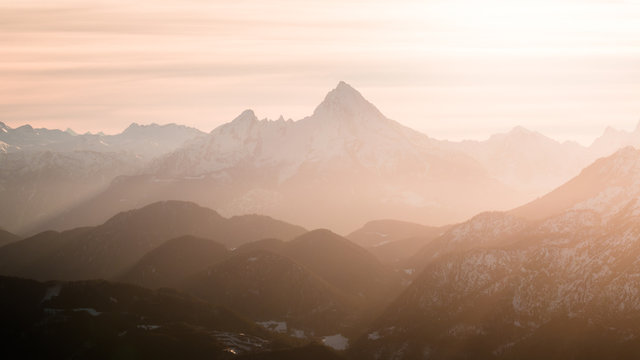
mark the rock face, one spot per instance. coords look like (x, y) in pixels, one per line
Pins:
(495, 286)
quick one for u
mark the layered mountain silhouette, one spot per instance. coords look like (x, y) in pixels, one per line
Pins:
(317, 282)
(109, 249)
(501, 286)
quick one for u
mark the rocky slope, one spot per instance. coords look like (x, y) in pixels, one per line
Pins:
(503, 287)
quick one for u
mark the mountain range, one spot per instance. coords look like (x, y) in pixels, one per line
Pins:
(108, 250)
(44, 173)
(373, 168)
(269, 271)
(146, 141)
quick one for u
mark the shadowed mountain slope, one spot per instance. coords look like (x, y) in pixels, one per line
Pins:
(110, 249)
(170, 263)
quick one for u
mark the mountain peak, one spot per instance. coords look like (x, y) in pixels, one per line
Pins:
(26, 127)
(343, 86)
(521, 130)
(345, 94)
(343, 102)
(609, 130)
(246, 116)
(132, 126)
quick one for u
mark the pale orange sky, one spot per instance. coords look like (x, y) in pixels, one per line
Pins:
(453, 69)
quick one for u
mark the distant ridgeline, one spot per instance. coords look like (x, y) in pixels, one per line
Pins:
(346, 158)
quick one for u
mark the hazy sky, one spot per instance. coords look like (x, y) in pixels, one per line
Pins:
(452, 69)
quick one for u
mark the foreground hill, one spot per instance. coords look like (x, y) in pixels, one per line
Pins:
(173, 261)
(348, 267)
(317, 283)
(345, 265)
(502, 287)
(268, 287)
(101, 320)
(112, 248)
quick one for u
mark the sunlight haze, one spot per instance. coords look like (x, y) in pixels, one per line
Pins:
(451, 69)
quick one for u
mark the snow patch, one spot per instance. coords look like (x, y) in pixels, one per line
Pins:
(238, 343)
(275, 326)
(374, 335)
(148, 327)
(296, 333)
(336, 342)
(51, 292)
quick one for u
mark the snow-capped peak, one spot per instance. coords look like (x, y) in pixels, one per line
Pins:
(346, 103)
